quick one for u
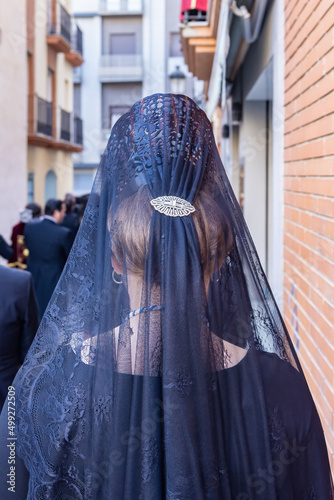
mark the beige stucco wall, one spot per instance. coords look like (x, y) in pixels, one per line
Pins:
(64, 92)
(41, 52)
(13, 113)
(40, 161)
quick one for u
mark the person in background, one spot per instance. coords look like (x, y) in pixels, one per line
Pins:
(18, 323)
(71, 219)
(49, 244)
(6, 250)
(16, 253)
(31, 213)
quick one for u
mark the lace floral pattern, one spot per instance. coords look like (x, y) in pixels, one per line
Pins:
(277, 431)
(163, 145)
(309, 494)
(102, 409)
(150, 454)
(179, 380)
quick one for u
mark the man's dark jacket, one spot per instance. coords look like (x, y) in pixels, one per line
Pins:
(18, 323)
(49, 245)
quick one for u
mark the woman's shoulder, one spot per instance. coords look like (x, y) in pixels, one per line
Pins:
(275, 373)
(285, 389)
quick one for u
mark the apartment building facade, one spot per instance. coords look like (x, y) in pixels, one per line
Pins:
(54, 48)
(131, 48)
(269, 91)
(13, 113)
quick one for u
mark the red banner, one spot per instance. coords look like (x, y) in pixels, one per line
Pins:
(194, 4)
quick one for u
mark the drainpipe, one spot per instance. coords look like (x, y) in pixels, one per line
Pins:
(252, 24)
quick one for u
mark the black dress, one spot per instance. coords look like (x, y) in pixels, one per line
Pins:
(135, 461)
(206, 399)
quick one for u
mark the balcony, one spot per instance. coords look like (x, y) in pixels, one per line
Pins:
(44, 117)
(53, 128)
(121, 68)
(121, 7)
(78, 130)
(196, 16)
(199, 37)
(65, 125)
(70, 130)
(59, 27)
(194, 11)
(74, 57)
(41, 121)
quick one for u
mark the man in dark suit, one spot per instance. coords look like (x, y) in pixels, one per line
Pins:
(49, 244)
(18, 323)
(71, 219)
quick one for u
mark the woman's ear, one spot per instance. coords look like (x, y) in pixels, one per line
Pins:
(116, 265)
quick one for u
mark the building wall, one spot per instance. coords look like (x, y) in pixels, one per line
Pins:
(254, 205)
(90, 88)
(13, 113)
(119, 82)
(118, 94)
(174, 55)
(42, 160)
(154, 47)
(64, 84)
(121, 25)
(253, 153)
(309, 197)
(40, 48)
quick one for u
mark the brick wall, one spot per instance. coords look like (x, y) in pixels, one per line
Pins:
(309, 196)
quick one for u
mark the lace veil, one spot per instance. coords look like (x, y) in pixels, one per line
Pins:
(151, 374)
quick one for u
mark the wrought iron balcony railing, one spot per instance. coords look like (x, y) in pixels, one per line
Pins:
(78, 130)
(71, 127)
(44, 116)
(59, 21)
(194, 15)
(76, 38)
(65, 125)
(47, 123)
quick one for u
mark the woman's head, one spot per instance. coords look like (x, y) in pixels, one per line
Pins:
(131, 231)
(167, 141)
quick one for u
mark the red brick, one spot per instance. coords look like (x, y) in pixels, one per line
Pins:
(311, 131)
(307, 74)
(303, 276)
(307, 20)
(317, 91)
(292, 10)
(317, 51)
(317, 39)
(313, 185)
(309, 195)
(311, 166)
(321, 108)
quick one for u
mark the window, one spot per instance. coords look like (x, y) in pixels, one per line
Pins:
(49, 85)
(175, 47)
(30, 187)
(121, 44)
(77, 99)
(115, 112)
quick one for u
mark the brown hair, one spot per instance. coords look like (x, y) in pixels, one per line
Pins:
(131, 231)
